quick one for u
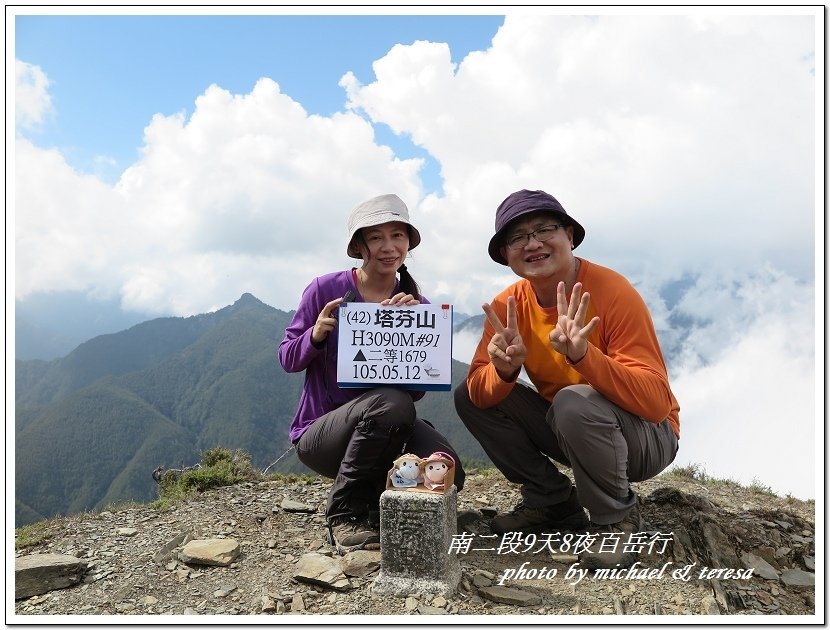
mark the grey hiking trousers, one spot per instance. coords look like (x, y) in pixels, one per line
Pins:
(356, 444)
(605, 445)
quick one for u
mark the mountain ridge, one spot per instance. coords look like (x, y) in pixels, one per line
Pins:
(159, 393)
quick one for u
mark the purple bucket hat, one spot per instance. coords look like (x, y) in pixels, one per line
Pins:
(520, 203)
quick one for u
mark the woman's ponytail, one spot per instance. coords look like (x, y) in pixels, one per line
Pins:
(408, 284)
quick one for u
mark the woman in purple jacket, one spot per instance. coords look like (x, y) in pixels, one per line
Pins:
(353, 435)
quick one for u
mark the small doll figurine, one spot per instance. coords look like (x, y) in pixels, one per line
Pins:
(435, 469)
(406, 472)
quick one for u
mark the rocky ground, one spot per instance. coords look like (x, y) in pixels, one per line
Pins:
(133, 567)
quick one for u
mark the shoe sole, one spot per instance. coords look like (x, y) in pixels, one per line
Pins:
(365, 546)
(369, 545)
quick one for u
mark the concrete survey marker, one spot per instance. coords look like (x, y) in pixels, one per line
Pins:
(416, 529)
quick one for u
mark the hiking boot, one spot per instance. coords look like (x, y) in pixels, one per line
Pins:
(350, 534)
(608, 551)
(567, 515)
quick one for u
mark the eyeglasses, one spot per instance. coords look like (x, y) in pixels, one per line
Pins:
(544, 233)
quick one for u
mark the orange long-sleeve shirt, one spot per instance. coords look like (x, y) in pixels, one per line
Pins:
(624, 362)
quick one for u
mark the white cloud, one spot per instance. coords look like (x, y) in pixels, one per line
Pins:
(746, 383)
(249, 194)
(464, 345)
(69, 232)
(681, 144)
(32, 103)
(682, 141)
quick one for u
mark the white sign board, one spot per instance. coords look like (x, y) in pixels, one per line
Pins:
(406, 346)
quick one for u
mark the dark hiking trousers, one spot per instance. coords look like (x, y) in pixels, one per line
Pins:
(605, 445)
(356, 444)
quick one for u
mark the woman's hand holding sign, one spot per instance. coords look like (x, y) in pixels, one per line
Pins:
(401, 299)
(570, 335)
(326, 322)
(506, 349)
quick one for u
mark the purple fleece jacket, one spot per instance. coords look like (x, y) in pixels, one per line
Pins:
(320, 391)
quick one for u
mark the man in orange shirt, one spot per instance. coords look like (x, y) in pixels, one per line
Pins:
(602, 404)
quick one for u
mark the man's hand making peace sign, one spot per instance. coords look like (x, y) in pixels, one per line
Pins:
(506, 349)
(570, 335)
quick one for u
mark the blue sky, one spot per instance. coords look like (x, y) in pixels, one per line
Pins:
(686, 141)
(110, 74)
